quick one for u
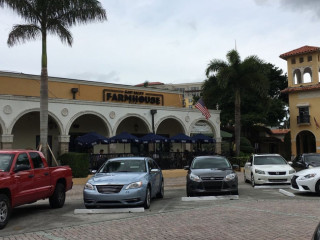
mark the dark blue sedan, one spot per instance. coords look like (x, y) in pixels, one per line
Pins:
(129, 181)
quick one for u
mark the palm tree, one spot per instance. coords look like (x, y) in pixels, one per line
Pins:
(235, 75)
(45, 17)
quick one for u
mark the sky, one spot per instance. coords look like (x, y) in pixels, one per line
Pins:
(169, 41)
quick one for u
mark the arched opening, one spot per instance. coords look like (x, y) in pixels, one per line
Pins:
(135, 126)
(297, 76)
(307, 75)
(84, 124)
(305, 142)
(203, 127)
(26, 132)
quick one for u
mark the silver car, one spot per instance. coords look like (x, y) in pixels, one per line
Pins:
(129, 181)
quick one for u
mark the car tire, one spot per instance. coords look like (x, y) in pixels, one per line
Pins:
(58, 197)
(5, 210)
(89, 207)
(253, 184)
(160, 194)
(189, 193)
(147, 199)
(317, 187)
(235, 192)
(244, 178)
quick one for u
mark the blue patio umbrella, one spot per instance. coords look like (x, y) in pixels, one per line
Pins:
(181, 138)
(91, 139)
(152, 138)
(200, 138)
(124, 137)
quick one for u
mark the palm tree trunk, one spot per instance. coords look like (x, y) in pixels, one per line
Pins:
(44, 97)
(237, 120)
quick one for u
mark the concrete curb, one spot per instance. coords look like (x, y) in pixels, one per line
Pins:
(111, 210)
(210, 198)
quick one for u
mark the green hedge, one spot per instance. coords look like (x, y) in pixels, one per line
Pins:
(79, 163)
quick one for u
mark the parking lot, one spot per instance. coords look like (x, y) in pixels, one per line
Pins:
(258, 213)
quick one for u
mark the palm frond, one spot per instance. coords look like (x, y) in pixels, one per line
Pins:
(214, 66)
(56, 27)
(22, 33)
(233, 58)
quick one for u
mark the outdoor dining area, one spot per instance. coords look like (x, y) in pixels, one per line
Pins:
(169, 152)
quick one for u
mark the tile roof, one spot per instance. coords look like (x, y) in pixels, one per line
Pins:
(280, 131)
(149, 84)
(301, 88)
(298, 51)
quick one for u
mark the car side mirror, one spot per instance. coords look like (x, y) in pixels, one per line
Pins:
(290, 163)
(155, 170)
(93, 171)
(235, 166)
(186, 167)
(248, 164)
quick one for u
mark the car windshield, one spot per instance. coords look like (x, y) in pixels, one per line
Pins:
(210, 162)
(312, 159)
(269, 160)
(124, 166)
(5, 161)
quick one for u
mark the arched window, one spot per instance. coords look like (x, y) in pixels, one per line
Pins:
(297, 76)
(307, 75)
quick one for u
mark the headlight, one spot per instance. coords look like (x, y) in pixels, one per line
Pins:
(134, 185)
(308, 176)
(259, 171)
(310, 166)
(89, 186)
(194, 178)
(292, 171)
(230, 177)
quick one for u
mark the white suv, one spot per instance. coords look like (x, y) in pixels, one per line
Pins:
(268, 169)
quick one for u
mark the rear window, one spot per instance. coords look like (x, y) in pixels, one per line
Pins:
(210, 162)
(5, 162)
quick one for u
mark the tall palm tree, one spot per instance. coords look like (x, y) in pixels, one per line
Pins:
(45, 17)
(235, 75)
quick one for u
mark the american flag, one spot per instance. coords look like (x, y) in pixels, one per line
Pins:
(201, 106)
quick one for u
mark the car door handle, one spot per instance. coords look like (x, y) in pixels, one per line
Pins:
(31, 176)
(46, 173)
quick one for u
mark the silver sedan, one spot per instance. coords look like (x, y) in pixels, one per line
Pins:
(129, 181)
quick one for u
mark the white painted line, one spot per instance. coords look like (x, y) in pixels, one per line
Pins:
(210, 198)
(289, 194)
(272, 186)
(109, 210)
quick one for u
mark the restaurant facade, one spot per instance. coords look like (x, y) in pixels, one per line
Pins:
(77, 107)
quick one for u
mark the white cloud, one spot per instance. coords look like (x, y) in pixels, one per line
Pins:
(166, 41)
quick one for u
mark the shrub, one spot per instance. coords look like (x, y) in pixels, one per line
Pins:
(79, 163)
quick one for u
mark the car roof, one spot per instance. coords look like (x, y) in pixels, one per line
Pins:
(210, 156)
(266, 154)
(17, 150)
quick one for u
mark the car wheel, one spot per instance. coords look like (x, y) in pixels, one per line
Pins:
(317, 187)
(189, 193)
(5, 210)
(58, 197)
(244, 177)
(235, 192)
(147, 200)
(89, 207)
(160, 194)
(253, 184)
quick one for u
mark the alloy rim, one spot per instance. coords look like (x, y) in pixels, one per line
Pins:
(3, 211)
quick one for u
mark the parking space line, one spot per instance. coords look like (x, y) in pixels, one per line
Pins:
(209, 198)
(289, 194)
(113, 210)
(272, 186)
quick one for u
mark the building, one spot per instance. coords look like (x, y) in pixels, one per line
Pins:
(77, 107)
(304, 98)
(188, 90)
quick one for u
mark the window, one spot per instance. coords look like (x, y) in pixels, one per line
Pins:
(309, 58)
(304, 116)
(23, 160)
(293, 61)
(36, 160)
(190, 106)
(301, 59)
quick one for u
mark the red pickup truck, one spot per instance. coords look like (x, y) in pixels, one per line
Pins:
(26, 178)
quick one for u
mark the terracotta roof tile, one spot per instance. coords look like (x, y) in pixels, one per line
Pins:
(298, 51)
(280, 131)
(150, 84)
(301, 88)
